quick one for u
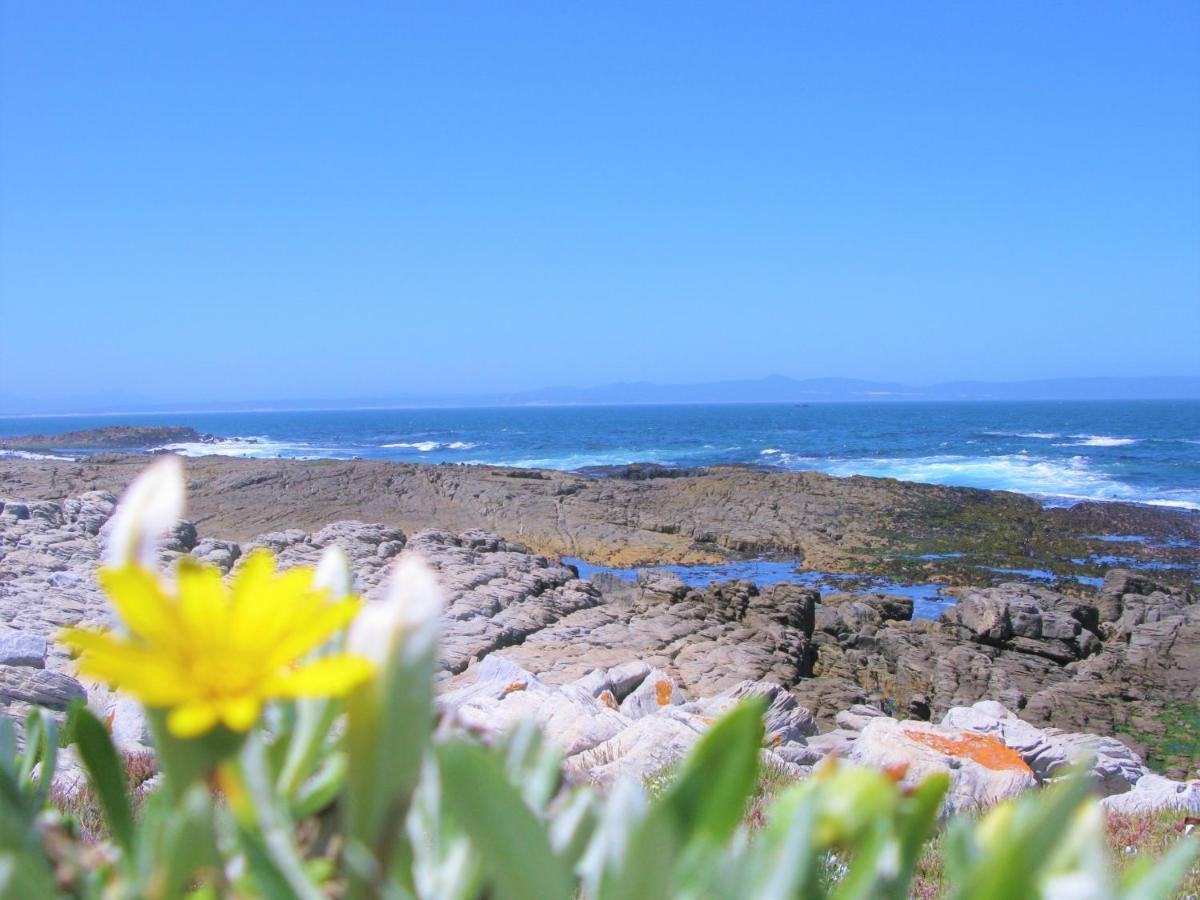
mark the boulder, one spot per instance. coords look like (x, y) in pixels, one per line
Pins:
(1048, 753)
(656, 691)
(19, 648)
(785, 720)
(648, 746)
(38, 686)
(1153, 794)
(983, 771)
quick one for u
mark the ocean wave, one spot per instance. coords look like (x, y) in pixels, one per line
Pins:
(1098, 440)
(29, 454)
(1071, 479)
(423, 446)
(430, 446)
(1040, 435)
(255, 447)
(771, 451)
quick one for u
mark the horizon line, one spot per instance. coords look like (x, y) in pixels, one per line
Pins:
(585, 403)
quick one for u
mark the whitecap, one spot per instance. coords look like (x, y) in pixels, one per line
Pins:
(461, 445)
(1072, 480)
(771, 451)
(29, 454)
(1098, 440)
(1040, 435)
(1175, 504)
(422, 446)
(255, 447)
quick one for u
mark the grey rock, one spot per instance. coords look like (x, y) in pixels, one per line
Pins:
(656, 691)
(19, 648)
(38, 686)
(1153, 794)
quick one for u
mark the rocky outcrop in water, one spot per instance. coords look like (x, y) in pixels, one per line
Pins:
(114, 437)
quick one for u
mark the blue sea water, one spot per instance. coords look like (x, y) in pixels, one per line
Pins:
(1061, 452)
(928, 600)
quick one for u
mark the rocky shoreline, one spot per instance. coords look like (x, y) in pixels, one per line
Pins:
(625, 674)
(870, 526)
(114, 437)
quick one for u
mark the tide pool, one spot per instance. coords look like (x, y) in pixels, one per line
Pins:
(928, 600)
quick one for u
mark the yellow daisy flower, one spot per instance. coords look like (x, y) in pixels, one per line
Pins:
(215, 653)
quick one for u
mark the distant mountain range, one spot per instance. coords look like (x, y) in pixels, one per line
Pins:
(772, 389)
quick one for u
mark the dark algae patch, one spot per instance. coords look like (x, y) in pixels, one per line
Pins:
(1171, 739)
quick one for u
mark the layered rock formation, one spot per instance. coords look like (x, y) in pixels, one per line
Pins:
(916, 532)
(625, 675)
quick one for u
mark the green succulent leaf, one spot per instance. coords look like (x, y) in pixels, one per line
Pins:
(512, 842)
(107, 776)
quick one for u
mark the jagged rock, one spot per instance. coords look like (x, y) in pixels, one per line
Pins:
(222, 554)
(1153, 793)
(1115, 768)
(19, 648)
(656, 691)
(982, 770)
(1041, 653)
(856, 717)
(705, 640)
(890, 607)
(838, 742)
(648, 746)
(785, 720)
(52, 690)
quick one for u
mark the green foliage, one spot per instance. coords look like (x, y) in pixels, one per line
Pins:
(1177, 747)
(388, 808)
(497, 821)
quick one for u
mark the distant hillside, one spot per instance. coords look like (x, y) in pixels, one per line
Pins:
(772, 389)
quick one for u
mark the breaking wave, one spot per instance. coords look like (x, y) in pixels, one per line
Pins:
(1072, 479)
(1098, 440)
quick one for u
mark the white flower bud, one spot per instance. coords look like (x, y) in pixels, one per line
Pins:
(333, 573)
(150, 507)
(411, 608)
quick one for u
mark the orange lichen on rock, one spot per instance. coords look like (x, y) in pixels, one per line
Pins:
(514, 687)
(663, 691)
(607, 698)
(988, 751)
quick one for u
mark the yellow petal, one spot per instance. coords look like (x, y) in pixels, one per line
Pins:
(255, 573)
(192, 720)
(329, 676)
(154, 678)
(239, 713)
(314, 630)
(203, 607)
(139, 601)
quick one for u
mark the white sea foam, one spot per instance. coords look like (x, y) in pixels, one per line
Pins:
(771, 451)
(1098, 440)
(430, 446)
(1071, 479)
(423, 446)
(254, 448)
(29, 454)
(1040, 435)
(1175, 504)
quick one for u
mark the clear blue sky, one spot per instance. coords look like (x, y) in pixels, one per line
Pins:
(272, 200)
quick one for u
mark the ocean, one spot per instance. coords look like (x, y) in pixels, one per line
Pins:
(1061, 452)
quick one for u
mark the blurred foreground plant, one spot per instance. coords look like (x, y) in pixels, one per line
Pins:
(300, 770)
